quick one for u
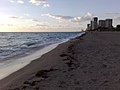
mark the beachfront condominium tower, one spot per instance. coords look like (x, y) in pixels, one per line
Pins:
(94, 23)
(102, 23)
(108, 23)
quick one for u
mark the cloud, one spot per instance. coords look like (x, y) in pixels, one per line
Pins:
(20, 1)
(9, 24)
(17, 1)
(78, 19)
(44, 3)
(35, 20)
(6, 24)
(88, 16)
(113, 13)
(58, 17)
(14, 17)
(116, 17)
(42, 25)
(12, 1)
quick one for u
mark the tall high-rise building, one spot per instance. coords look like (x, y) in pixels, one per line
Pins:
(102, 23)
(95, 22)
(108, 23)
(92, 25)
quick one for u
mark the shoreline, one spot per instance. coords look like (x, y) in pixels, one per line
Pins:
(11, 66)
(4, 82)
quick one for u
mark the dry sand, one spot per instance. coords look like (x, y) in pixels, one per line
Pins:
(91, 62)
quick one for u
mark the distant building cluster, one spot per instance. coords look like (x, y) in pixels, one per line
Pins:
(96, 24)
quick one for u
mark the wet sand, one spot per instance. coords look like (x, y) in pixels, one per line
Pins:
(90, 62)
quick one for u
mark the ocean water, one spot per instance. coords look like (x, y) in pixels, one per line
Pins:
(16, 44)
(18, 49)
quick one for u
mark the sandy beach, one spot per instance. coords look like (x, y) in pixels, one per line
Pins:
(90, 62)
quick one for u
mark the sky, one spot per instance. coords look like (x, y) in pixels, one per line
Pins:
(54, 15)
